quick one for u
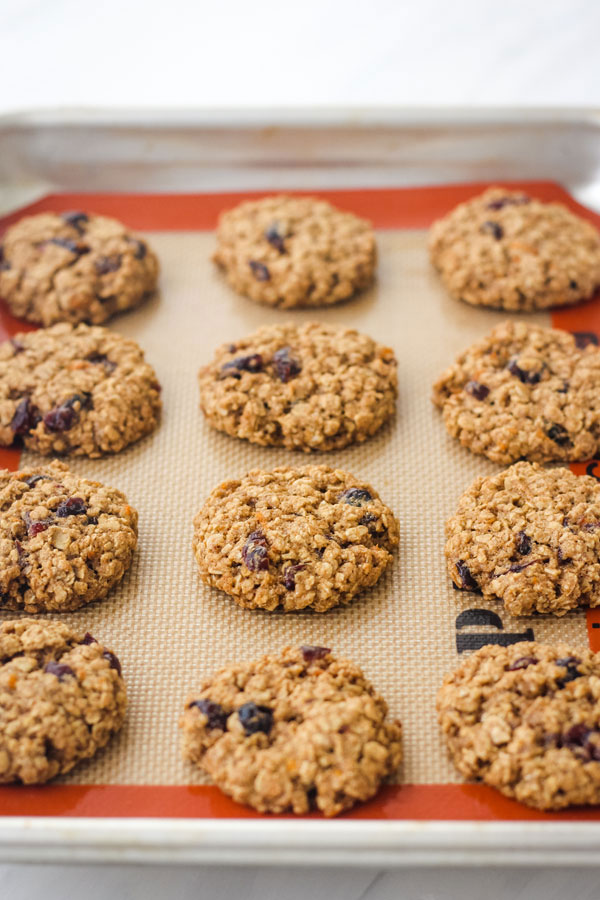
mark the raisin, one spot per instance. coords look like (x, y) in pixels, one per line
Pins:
(253, 363)
(523, 543)
(583, 339)
(311, 653)
(72, 246)
(21, 554)
(74, 506)
(26, 417)
(519, 567)
(275, 238)
(494, 229)
(561, 558)
(255, 553)
(467, 582)
(63, 417)
(286, 366)
(355, 496)
(99, 359)
(88, 639)
(214, 712)
(522, 374)
(76, 219)
(4, 263)
(559, 435)
(570, 663)
(522, 662)
(61, 671)
(289, 575)
(369, 520)
(477, 390)
(255, 718)
(508, 201)
(259, 270)
(576, 736)
(106, 264)
(565, 387)
(573, 284)
(113, 661)
(140, 247)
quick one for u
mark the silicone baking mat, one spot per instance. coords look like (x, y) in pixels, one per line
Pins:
(170, 630)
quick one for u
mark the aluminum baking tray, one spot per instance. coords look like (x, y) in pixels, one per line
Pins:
(169, 171)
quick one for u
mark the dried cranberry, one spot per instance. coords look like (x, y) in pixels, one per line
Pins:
(522, 374)
(522, 663)
(88, 639)
(259, 270)
(289, 575)
(286, 366)
(275, 238)
(523, 543)
(577, 735)
(255, 552)
(26, 417)
(76, 219)
(72, 246)
(253, 363)
(494, 229)
(467, 582)
(61, 671)
(311, 653)
(99, 359)
(583, 339)
(106, 264)
(36, 526)
(214, 712)
(508, 201)
(570, 663)
(74, 506)
(355, 496)
(140, 248)
(559, 435)
(477, 390)
(255, 718)
(63, 417)
(112, 661)
(519, 567)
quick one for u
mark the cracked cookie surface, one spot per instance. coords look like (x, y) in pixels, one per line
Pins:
(294, 538)
(506, 250)
(525, 719)
(295, 251)
(74, 267)
(80, 390)
(64, 541)
(530, 537)
(294, 731)
(524, 392)
(309, 387)
(62, 697)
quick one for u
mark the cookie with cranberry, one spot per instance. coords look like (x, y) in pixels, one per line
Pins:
(295, 731)
(506, 250)
(62, 698)
(295, 251)
(79, 390)
(74, 267)
(524, 392)
(64, 541)
(294, 538)
(307, 387)
(525, 719)
(530, 537)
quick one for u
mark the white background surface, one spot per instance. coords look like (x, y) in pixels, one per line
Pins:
(277, 53)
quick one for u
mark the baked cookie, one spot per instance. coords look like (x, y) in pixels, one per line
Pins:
(528, 536)
(524, 392)
(294, 538)
(309, 387)
(525, 719)
(74, 267)
(76, 389)
(64, 541)
(295, 251)
(62, 697)
(292, 732)
(506, 250)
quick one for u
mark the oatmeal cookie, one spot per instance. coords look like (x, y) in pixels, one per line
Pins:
(62, 697)
(74, 267)
(292, 732)
(525, 719)
(64, 541)
(310, 387)
(524, 392)
(294, 538)
(530, 537)
(295, 251)
(81, 390)
(506, 250)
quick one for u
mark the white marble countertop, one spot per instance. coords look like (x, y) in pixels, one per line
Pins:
(231, 53)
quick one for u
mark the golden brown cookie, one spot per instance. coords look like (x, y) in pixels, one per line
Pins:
(295, 251)
(62, 697)
(294, 538)
(294, 731)
(506, 250)
(74, 267)
(308, 387)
